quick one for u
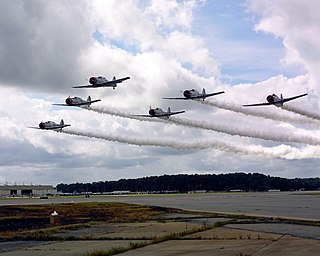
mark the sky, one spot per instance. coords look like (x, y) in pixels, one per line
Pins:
(249, 49)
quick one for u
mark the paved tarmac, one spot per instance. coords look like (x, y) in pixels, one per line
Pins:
(301, 205)
(233, 239)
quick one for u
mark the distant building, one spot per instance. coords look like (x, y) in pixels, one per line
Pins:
(27, 190)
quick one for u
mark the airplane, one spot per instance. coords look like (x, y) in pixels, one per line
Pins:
(275, 100)
(193, 94)
(158, 112)
(101, 81)
(50, 125)
(77, 102)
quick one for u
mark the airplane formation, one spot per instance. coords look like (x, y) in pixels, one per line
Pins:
(189, 94)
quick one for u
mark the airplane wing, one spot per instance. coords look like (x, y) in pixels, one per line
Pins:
(176, 98)
(51, 128)
(110, 83)
(258, 104)
(78, 104)
(207, 95)
(142, 115)
(65, 125)
(195, 97)
(58, 127)
(85, 86)
(84, 103)
(162, 115)
(120, 80)
(93, 101)
(295, 97)
(174, 113)
(58, 104)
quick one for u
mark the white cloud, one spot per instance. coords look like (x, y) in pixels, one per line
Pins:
(295, 22)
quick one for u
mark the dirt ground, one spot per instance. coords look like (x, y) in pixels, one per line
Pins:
(225, 240)
(137, 230)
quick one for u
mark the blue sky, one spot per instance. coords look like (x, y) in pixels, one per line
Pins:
(245, 55)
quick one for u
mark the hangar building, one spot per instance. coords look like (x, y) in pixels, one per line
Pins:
(27, 190)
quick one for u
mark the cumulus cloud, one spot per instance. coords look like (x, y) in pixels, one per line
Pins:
(296, 23)
(42, 42)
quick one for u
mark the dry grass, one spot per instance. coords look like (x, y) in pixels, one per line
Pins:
(34, 220)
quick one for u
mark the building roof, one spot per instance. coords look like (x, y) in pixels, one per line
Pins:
(24, 187)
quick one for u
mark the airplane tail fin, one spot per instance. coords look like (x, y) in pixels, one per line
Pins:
(169, 110)
(89, 98)
(114, 78)
(61, 122)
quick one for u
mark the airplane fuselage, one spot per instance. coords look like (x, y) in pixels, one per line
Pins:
(189, 94)
(275, 100)
(75, 101)
(96, 80)
(49, 125)
(156, 112)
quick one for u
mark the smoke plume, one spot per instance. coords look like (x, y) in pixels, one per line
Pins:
(303, 112)
(282, 151)
(278, 136)
(258, 113)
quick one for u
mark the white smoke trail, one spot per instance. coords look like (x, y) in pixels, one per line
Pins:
(247, 132)
(119, 113)
(258, 113)
(218, 127)
(303, 112)
(282, 151)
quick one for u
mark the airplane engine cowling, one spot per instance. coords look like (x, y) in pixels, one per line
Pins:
(187, 94)
(41, 125)
(93, 80)
(152, 112)
(270, 99)
(68, 101)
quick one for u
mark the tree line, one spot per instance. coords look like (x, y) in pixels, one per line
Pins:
(196, 182)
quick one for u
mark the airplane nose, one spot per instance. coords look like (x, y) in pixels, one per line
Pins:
(152, 112)
(270, 99)
(93, 80)
(68, 101)
(187, 94)
(41, 125)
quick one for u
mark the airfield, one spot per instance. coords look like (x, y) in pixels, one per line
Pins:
(269, 223)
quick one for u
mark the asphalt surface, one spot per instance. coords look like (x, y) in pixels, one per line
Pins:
(299, 205)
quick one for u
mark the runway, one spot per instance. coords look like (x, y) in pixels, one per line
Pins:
(296, 205)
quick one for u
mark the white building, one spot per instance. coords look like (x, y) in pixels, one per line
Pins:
(27, 190)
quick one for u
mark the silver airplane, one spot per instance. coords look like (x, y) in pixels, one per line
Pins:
(193, 94)
(50, 125)
(77, 102)
(101, 81)
(275, 100)
(158, 112)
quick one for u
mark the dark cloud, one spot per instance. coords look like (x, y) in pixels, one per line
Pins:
(41, 41)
